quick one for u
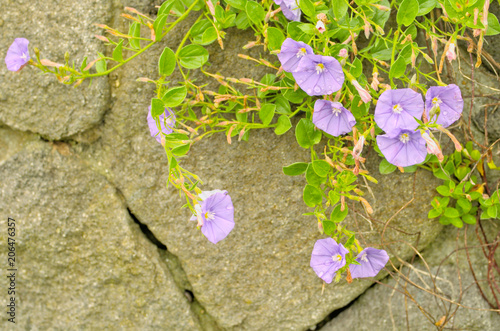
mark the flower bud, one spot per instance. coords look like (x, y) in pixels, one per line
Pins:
(433, 146)
(320, 26)
(364, 94)
(450, 54)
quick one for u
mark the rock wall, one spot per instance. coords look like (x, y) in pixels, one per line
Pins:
(103, 243)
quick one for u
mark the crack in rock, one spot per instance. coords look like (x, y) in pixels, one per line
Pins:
(174, 267)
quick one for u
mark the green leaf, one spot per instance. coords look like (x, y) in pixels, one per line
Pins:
(166, 64)
(282, 105)
(329, 227)
(312, 178)
(443, 190)
(174, 96)
(283, 126)
(274, 38)
(357, 68)
(493, 211)
(321, 167)
(305, 133)
(295, 169)
(457, 222)
(193, 56)
(407, 12)
(181, 150)
(312, 196)
(307, 8)
(334, 197)
(385, 167)
(157, 107)
(296, 33)
(339, 8)
(433, 213)
(475, 155)
(451, 212)
(465, 204)
(165, 7)
(209, 36)
(158, 26)
(350, 241)
(338, 215)
(493, 25)
(135, 31)
(266, 113)
(398, 68)
(117, 52)
(101, 66)
(255, 12)
(238, 4)
(469, 219)
(425, 6)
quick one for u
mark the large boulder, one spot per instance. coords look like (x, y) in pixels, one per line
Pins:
(39, 103)
(82, 261)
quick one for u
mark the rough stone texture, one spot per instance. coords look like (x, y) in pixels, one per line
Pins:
(491, 42)
(40, 104)
(382, 308)
(259, 277)
(83, 263)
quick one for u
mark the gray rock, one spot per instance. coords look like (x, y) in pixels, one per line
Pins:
(259, 277)
(40, 104)
(82, 261)
(384, 307)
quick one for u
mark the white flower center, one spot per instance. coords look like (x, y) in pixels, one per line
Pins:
(336, 258)
(404, 138)
(301, 53)
(363, 258)
(436, 101)
(320, 67)
(336, 111)
(397, 109)
(24, 56)
(209, 215)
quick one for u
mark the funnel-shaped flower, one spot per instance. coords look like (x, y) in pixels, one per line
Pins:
(216, 214)
(332, 117)
(396, 109)
(446, 102)
(292, 52)
(167, 122)
(319, 75)
(403, 148)
(290, 9)
(17, 54)
(371, 261)
(327, 257)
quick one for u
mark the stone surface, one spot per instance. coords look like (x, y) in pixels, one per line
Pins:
(83, 263)
(383, 307)
(259, 277)
(39, 103)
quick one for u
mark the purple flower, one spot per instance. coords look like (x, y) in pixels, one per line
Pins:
(319, 75)
(448, 100)
(290, 9)
(327, 257)
(371, 261)
(402, 148)
(17, 55)
(215, 215)
(167, 123)
(292, 53)
(332, 117)
(396, 109)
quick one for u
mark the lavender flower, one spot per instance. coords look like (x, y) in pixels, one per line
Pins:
(292, 53)
(402, 148)
(327, 257)
(371, 261)
(319, 75)
(215, 215)
(332, 117)
(167, 122)
(446, 102)
(290, 9)
(17, 54)
(396, 109)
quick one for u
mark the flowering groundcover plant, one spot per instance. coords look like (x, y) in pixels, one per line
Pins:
(319, 74)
